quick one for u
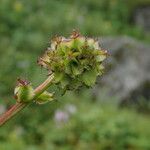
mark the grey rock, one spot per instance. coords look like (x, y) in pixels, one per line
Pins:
(142, 18)
(127, 68)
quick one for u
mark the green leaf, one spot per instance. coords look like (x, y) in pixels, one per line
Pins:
(65, 81)
(89, 77)
(75, 67)
(77, 43)
(58, 76)
(75, 70)
(75, 84)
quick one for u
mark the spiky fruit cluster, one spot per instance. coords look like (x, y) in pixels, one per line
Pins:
(75, 61)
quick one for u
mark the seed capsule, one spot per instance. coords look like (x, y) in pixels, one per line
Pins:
(23, 91)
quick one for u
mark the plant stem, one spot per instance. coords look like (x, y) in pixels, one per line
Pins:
(42, 87)
(19, 106)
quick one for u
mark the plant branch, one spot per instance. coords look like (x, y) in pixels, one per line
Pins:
(19, 106)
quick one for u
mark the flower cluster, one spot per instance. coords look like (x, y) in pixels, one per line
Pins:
(74, 61)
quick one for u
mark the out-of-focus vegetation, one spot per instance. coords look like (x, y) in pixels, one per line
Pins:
(25, 27)
(81, 125)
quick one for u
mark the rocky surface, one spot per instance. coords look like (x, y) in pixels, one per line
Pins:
(128, 69)
(142, 18)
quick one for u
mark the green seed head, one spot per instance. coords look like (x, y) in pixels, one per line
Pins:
(75, 61)
(23, 91)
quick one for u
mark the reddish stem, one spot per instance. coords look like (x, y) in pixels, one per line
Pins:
(11, 112)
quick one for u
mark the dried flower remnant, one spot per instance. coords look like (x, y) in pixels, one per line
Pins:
(75, 61)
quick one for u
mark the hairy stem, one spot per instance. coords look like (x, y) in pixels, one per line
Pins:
(19, 106)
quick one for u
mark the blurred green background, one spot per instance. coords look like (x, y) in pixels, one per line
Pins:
(75, 121)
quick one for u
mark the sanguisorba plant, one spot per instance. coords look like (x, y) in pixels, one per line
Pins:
(71, 63)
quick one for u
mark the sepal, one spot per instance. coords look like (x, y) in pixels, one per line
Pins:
(44, 98)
